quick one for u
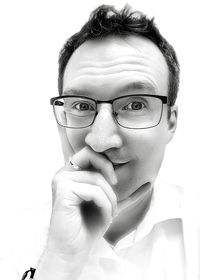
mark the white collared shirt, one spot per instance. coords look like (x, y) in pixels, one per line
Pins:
(165, 245)
(159, 249)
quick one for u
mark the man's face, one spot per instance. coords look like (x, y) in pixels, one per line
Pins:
(113, 67)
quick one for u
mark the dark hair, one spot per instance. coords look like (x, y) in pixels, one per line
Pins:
(106, 20)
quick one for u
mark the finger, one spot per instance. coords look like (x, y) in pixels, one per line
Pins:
(81, 192)
(87, 192)
(92, 178)
(86, 158)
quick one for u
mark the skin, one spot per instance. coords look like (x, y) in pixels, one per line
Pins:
(100, 69)
(120, 196)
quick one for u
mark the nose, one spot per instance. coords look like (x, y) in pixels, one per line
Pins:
(104, 132)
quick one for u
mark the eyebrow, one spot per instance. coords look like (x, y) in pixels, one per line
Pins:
(134, 86)
(75, 92)
(139, 86)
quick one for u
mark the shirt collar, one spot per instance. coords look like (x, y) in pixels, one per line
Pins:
(166, 204)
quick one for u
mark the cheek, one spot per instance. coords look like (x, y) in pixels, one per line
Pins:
(148, 146)
(76, 138)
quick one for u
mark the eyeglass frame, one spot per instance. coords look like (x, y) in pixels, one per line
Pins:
(163, 98)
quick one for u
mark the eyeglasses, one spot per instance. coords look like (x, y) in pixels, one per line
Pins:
(137, 111)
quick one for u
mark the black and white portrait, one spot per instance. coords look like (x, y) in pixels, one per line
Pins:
(100, 140)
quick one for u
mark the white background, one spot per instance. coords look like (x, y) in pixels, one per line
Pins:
(32, 33)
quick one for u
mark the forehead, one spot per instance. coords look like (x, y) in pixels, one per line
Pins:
(97, 63)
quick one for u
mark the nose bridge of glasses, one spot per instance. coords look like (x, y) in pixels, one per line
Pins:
(104, 133)
(104, 104)
(104, 110)
(108, 107)
(104, 101)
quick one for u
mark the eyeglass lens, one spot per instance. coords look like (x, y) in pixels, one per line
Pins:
(129, 111)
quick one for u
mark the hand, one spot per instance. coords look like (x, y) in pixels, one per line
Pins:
(84, 204)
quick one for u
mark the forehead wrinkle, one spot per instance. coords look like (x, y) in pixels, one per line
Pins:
(144, 84)
(140, 64)
(95, 67)
(94, 74)
(109, 62)
(112, 71)
(130, 61)
(93, 71)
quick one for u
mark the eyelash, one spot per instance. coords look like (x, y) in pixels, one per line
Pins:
(74, 105)
(123, 108)
(143, 105)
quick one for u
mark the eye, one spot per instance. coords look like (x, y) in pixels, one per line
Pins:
(136, 105)
(83, 106)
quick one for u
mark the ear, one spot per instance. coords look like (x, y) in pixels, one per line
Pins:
(66, 147)
(172, 122)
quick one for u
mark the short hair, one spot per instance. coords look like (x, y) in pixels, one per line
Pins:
(106, 20)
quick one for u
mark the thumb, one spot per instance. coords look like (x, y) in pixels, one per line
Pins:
(66, 146)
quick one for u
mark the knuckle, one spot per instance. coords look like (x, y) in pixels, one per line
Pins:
(60, 180)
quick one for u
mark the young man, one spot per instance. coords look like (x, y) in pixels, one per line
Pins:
(116, 112)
